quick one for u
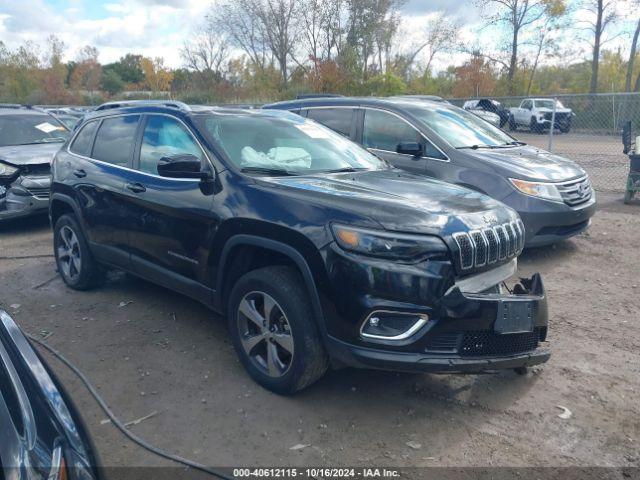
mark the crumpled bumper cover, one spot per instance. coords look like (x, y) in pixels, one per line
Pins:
(461, 316)
(24, 196)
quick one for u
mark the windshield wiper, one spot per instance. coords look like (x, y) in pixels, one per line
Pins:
(515, 143)
(268, 171)
(476, 147)
(344, 170)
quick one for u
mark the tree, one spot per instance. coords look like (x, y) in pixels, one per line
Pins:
(55, 72)
(87, 71)
(206, 53)
(632, 53)
(440, 36)
(518, 15)
(245, 30)
(128, 68)
(602, 14)
(112, 83)
(157, 77)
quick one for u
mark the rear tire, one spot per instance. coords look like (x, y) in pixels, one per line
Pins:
(273, 330)
(76, 264)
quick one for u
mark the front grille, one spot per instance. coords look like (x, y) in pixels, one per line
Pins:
(486, 343)
(484, 247)
(576, 192)
(39, 192)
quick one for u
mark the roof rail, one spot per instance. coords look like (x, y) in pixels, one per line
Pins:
(142, 103)
(12, 105)
(304, 96)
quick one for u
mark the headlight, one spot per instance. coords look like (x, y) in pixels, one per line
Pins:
(386, 244)
(537, 189)
(7, 171)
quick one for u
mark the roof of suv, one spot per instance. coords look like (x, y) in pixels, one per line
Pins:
(174, 108)
(353, 101)
(14, 109)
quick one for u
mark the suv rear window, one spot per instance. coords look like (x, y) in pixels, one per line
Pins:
(83, 141)
(115, 140)
(337, 119)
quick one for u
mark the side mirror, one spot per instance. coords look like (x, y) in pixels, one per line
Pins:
(182, 166)
(410, 148)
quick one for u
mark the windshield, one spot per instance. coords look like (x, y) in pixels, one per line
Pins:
(29, 129)
(291, 145)
(548, 104)
(461, 129)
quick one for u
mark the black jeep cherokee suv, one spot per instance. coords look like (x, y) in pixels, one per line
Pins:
(315, 249)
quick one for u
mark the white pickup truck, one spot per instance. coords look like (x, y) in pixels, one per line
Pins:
(536, 114)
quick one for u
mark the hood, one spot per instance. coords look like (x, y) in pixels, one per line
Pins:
(401, 201)
(29, 154)
(529, 163)
(558, 110)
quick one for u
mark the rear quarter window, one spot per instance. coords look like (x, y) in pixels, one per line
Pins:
(115, 140)
(84, 140)
(337, 119)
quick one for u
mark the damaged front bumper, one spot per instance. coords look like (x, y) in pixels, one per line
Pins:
(24, 196)
(471, 327)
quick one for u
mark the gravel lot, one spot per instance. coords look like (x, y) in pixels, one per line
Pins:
(149, 349)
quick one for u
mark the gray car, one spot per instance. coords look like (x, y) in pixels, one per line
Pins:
(29, 138)
(552, 194)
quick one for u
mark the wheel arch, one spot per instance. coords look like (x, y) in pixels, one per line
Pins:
(61, 204)
(239, 243)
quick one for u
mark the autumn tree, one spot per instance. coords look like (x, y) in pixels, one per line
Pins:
(87, 71)
(55, 72)
(157, 77)
(474, 78)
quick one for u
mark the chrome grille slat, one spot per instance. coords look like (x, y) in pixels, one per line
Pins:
(478, 248)
(575, 192)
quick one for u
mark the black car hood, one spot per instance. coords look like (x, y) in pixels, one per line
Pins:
(401, 201)
(530, 163)
(29, 154)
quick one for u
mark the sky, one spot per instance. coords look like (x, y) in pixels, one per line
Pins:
(149, 27)
(159, 28)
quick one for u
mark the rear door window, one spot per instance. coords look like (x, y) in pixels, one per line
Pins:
(84, 140)
(337, 119)
(115, 140)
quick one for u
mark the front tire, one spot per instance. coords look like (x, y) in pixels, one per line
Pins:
(76, 264)
(273, 330)
(534, 126)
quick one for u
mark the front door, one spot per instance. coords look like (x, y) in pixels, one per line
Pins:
(171, 218)
(383, 131)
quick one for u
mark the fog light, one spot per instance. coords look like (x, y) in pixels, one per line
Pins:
(388, 325)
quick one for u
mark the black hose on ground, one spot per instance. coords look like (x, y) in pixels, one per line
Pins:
(119, 425)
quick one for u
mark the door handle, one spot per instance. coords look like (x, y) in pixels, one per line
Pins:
(80, 173)
(136, 187)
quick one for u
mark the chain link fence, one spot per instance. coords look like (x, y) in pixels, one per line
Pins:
(592, 139)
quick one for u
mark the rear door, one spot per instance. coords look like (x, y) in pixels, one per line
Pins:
(338, 119)
(171, 218)
(98, 170)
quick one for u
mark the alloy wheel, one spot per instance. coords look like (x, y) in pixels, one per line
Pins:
(69, 256)
(265, 333)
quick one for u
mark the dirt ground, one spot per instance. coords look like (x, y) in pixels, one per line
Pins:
(151, 350)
